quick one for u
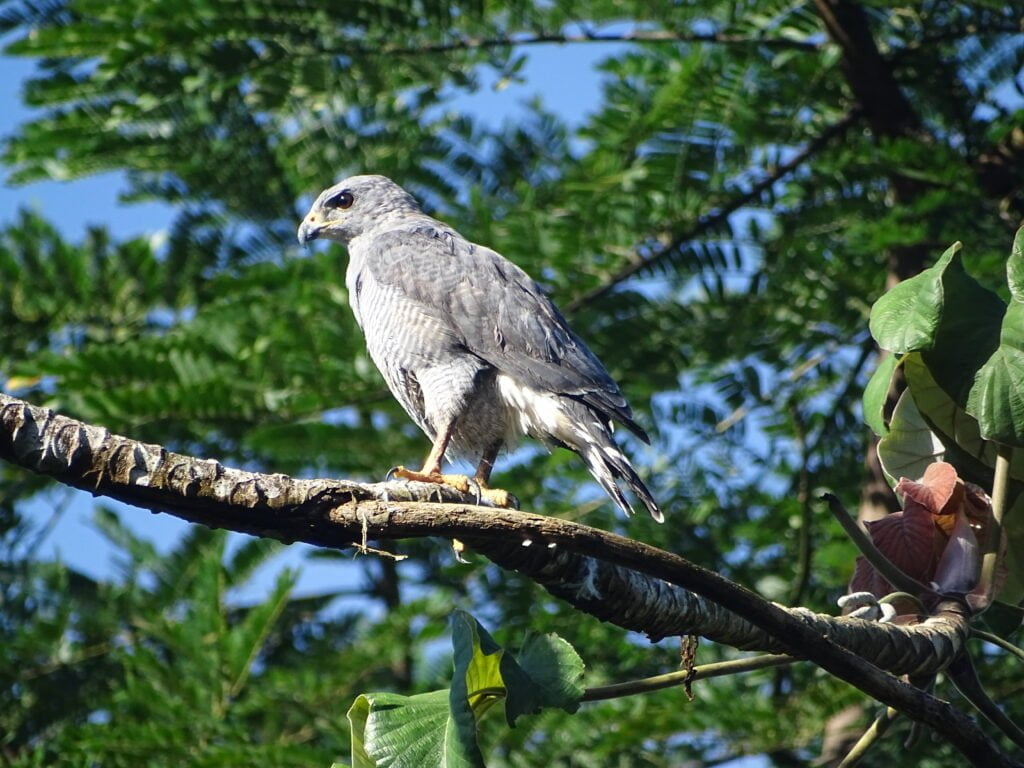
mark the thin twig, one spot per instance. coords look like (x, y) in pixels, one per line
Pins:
(84, 654)
(873, 554)
(545, 38)
(47, 528)
(996, 640)
(964, 676)
(719, 215)
(670, 679)
(874, 732)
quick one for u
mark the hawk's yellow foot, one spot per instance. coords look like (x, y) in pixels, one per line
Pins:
(495, 497)
(460, 483)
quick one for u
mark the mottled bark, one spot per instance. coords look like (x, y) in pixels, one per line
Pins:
(340, 513)
(626, 582)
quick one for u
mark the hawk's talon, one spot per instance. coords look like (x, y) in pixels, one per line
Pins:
(459, 482)
(477, 491)
(495, 497)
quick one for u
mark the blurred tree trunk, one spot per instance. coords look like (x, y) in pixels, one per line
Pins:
(889, 116)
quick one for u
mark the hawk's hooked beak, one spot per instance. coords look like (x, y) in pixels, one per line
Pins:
(310, 228)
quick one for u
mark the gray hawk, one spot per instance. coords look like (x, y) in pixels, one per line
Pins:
(468, 343)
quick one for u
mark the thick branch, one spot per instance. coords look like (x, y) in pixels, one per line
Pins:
(719, 215)
(886, 108)
(867, 73)
(590, 568)
(333, 513)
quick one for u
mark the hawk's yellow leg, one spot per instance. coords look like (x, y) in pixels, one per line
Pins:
(431, 472)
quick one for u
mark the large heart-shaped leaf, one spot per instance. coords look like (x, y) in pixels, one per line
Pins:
(440, 728)
(972, 455)
(394, 731)
(996, 397)
(553, 677)
(947, 316)
(910, 445)
(906, 317)
(547, 672)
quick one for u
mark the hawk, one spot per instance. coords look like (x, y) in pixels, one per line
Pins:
(469, 344)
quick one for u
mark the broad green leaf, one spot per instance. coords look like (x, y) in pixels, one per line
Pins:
(910, 445)
(440, 728)
(945, 314)
(973, 456)
(959, 432)
(996, 399)
(876, 392)
(478, 660)
(394, 731)
(906, 317)
(554, 675)
(968, 332)
(546, 673)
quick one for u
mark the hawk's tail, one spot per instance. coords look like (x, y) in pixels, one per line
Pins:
(608, 464)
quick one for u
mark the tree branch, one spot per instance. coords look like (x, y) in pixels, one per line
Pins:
(592, 569)
(719, 215)
(876, 730)
(965, 677)
(868, 74)
(635, 36)
(681, 677)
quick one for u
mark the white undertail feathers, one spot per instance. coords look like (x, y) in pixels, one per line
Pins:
(564, 420)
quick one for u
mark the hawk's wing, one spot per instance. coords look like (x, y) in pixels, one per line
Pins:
(501, 314)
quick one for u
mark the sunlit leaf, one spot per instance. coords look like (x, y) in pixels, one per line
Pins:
(876, 393)
(997, 395)
(906, 318)
(910, 446)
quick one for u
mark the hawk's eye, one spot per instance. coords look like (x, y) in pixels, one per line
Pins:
(343, 199)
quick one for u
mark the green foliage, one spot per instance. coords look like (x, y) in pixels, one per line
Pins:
(161, 665)
(440, 728)
(960, 347)
(963, 349)
(996, 398)
(742, 347)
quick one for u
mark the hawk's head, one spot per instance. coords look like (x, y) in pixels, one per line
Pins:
(352, 207)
